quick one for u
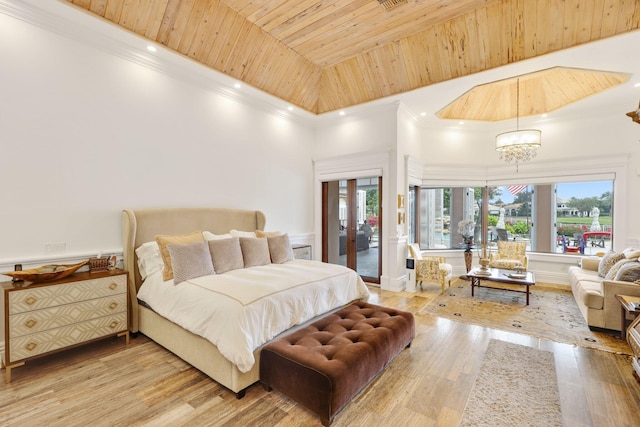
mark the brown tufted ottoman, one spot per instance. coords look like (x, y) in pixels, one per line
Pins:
(324, 365)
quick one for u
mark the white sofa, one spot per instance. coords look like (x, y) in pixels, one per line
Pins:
(596, 295)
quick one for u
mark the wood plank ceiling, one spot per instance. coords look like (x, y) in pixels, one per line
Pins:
(324, 55)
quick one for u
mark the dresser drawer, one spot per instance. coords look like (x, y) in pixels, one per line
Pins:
(66, 293)
(62, 315)
(43, 342)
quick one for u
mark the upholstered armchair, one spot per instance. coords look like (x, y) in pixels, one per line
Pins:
(510, 255)
(431, 269)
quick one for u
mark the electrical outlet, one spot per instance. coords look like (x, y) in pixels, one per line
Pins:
(55, 247)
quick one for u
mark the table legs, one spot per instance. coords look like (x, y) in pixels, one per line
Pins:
(623, 323)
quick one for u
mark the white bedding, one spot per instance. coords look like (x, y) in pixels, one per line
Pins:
(240, 310)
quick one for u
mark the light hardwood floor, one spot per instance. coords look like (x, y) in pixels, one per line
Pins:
(108, 384)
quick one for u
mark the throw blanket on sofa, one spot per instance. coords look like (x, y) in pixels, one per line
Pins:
(240, 310)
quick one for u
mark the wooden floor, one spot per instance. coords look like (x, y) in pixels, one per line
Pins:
(108, 384)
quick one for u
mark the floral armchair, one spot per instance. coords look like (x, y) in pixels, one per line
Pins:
(510, 255)
(431, 269)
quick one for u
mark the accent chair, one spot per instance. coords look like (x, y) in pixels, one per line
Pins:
(510, 255)
(431, 269)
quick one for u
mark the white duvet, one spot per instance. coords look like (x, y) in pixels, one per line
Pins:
(240, 310)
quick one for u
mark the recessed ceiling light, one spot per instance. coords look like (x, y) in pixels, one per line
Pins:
(290, 108)
(545, 115)
(460, 123)
(151, 48)
(237, 86)
(423, 114)
(342, 113)
(636, 85)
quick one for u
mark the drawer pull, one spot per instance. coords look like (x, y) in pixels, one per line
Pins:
(31, 346)
(30, 323)
(114, 324)
(31, 300)
(113, 286)
(113, 305)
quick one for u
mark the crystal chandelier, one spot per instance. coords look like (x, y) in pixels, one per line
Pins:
(518, 145)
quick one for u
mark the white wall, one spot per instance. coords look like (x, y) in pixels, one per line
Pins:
(86, 134)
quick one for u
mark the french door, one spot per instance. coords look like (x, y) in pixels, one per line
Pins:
(352, 225)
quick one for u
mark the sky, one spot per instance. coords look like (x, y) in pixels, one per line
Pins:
(566, 191)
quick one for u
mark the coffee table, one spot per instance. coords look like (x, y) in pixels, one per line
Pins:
(501, 276)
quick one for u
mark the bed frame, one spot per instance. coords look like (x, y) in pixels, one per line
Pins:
(142, 226)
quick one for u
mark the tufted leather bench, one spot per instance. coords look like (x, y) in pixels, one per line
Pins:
(324, 365)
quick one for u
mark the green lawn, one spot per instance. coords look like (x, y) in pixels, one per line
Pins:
(603, 220)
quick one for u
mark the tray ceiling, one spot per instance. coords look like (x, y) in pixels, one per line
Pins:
(331, 54)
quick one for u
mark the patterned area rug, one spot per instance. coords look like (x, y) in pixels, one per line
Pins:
(516, 386)
(552, 314)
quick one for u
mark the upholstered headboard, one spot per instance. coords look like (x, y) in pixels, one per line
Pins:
(141, 226)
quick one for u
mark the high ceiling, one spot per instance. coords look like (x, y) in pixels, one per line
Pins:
(324, 55)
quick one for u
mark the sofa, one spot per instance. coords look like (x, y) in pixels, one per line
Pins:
(596, 281)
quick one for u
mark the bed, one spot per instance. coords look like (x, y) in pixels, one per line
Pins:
(142, 226)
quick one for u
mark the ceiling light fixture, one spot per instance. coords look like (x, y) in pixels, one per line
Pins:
(151, 48)
(518, 145)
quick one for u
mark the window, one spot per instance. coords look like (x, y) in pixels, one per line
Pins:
(563, 217)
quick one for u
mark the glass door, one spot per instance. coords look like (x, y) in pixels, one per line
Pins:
(352, 226)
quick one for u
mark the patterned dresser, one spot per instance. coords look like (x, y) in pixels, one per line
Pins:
(41, 318)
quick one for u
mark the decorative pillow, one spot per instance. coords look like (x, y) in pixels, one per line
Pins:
(607, 261)
(631, 253)
(210, 236)
(149, 259)
(611, 274)
(226, 254)
(237, 233)
(163, 241)
(260, 233)
(280, 249)
(255, 251)
(190, 260)
(629, 272)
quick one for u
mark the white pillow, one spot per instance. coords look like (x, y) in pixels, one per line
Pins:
(210, 236)
(237, 233)
(149, 259)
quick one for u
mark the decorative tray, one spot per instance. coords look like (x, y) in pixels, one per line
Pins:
(517, 275)
(46, 272)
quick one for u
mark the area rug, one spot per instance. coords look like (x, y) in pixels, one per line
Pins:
(516, 386)
(552, 314)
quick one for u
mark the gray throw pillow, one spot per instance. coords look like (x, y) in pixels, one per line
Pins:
(629, 272)
(607, 261)
(255, 251)
(280, 249)
(190, 260)
(226, 254)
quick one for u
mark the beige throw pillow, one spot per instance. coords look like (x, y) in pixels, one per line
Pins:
(607, 261)
(260, 233)
(280, 249)
(226, 254)
(255, 251)
(163, 241)
(190, 260)
(629, 272)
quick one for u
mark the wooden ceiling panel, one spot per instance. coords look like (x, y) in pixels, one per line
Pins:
(530, 94)
(323, 55)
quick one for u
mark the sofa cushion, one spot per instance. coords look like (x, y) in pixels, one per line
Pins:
(589, 293)
(607, 261)
(576, 274)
